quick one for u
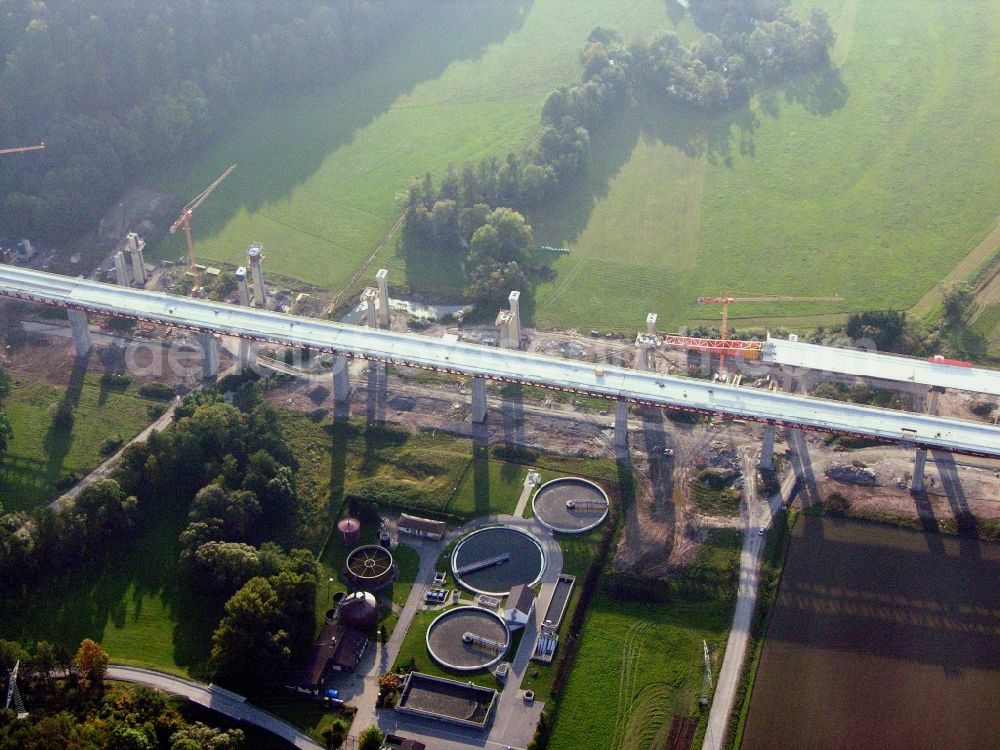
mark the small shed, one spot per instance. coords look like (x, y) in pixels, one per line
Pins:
(519, 604)
(423, 527)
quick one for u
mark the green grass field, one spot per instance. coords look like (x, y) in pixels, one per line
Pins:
(870, 182)
(316, 179)
(639, 665)
(142, 614)
(39, 454)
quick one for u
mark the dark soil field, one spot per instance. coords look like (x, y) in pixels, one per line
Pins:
(880, 638)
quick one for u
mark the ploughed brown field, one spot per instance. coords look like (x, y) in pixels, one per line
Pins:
(880, 638)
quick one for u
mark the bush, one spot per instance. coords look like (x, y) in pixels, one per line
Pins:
(156, 391)
(115, 381)
(837, 504)
(371, 738)
(110, 446)
(982, 408)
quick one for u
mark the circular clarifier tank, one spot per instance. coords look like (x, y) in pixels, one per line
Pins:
(467, 639)
(493, 559)
(570, 505)
(370, 567)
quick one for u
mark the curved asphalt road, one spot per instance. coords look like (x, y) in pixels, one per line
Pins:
(226, 703)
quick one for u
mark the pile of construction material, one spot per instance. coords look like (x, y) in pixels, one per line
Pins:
(724, 457)
(850, 474)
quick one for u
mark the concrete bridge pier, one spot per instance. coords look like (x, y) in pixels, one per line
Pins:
(242, 355)
(341, 380)
(621, 426)
(932, 400)
(917, 483)
(210, 354)
(81, 331)
(767, 449)
(478, 400)
(121, 273)
(382, 278)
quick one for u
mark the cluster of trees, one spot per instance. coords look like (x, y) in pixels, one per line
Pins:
(757, 42)
(229, 464)
(268, 621)
(45, 541)
(118, 86)
(760, 42)
(891, 331)
(72, 710)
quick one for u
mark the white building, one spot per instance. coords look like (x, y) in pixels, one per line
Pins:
(520, 602)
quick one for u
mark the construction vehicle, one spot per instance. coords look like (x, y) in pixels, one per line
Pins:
(727, 300)
(184, 220)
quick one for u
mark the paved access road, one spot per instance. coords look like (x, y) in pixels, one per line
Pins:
(226, 703)
(758, 516)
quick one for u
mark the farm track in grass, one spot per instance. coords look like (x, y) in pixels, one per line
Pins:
(631, 653)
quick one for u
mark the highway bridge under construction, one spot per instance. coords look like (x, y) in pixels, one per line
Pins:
(623, 385)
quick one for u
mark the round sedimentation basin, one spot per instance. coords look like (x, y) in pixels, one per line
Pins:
(570, 505)
(468, 639)
(493, 559)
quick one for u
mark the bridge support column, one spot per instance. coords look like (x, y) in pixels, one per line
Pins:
(917, 483)
(210, 354)
(81, 331)
(121, 274)
(242, 355)
(621, 426)
(478, 400)
(767, 449)
(382, 277)
(932, 400)
(341, 380)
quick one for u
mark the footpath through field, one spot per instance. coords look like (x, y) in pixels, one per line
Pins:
(212, 697)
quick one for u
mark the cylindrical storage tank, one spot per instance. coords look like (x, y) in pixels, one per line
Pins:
(384, 540)
(350, 530)
(360, 610)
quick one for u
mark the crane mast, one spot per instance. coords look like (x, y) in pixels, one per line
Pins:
(21, 149)
(184, 221)
(727, 299)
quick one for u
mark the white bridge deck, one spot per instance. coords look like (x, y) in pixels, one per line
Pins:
(501, 364)
(883, 366)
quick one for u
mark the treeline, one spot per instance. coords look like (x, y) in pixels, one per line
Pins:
(71, 707)
(761, 42)
(117, 86)
(45, 541)
(950, 335)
